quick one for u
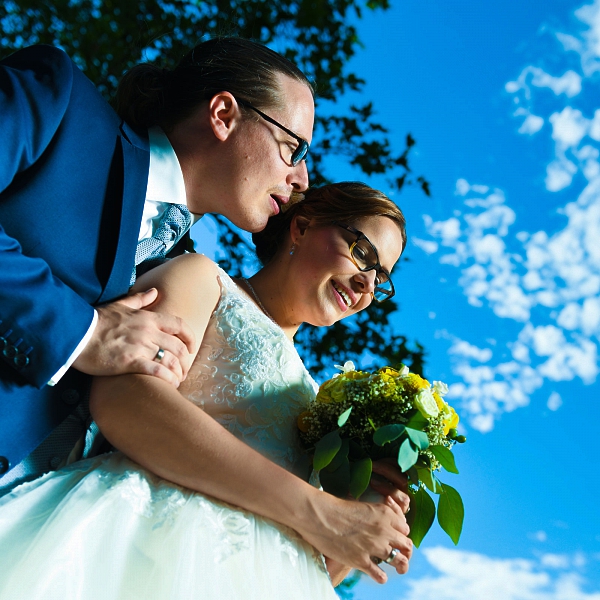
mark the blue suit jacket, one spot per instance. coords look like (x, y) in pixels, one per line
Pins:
(73, 179)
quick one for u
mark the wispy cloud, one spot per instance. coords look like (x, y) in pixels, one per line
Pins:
(461, 575)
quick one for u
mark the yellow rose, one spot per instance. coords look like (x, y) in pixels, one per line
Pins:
(450, 419)
(388, 371)
(441, 404)
(334, 390)
(415, 381)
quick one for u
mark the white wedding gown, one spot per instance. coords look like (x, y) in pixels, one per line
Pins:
(106, 529)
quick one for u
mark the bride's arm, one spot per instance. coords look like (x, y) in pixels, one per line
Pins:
(156, 426)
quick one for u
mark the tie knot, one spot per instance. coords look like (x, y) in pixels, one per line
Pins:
(175, 221)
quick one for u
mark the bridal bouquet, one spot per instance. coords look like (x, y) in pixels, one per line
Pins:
(361, 416)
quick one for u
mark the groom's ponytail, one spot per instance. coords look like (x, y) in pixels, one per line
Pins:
(148, 95)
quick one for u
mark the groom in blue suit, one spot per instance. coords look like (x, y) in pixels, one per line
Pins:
(82, 186)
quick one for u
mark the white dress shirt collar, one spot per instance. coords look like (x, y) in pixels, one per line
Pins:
(165, 179)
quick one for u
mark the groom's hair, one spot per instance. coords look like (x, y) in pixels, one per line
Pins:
(346, 201)
(148, 95)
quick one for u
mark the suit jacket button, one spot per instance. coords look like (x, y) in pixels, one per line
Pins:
(10, 351)
(4, 464)
(70, 396)
(21, 361)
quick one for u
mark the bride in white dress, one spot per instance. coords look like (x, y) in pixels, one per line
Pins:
(107, 528)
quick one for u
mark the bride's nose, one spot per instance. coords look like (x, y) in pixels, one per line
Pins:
(366, 281)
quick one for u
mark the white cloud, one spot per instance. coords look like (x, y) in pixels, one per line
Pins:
(589, 46)
(428, 246)
(538, 536)
(568, 127)
(569, 83)
(532, 124)
(459, 574)
(555, 561)
(554, 401)
(466, 350)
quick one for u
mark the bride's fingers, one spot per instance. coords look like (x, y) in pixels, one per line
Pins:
(385, 488)
(374, 572)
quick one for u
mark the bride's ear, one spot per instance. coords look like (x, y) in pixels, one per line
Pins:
(298, 227)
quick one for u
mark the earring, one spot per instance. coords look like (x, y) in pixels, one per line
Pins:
(292, 249)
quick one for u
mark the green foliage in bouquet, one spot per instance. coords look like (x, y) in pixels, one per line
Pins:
(361, 416)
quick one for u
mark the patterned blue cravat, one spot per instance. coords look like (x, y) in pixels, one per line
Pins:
(174, 223)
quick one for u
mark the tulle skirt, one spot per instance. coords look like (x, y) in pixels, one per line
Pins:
(106, 529)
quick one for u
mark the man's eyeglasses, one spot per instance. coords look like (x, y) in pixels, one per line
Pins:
(364, 255)
(303, 146)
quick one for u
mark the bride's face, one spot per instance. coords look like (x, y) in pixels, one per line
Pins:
(328, 284)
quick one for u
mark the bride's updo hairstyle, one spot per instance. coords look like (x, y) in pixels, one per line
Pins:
(345, 202)
(148, 95)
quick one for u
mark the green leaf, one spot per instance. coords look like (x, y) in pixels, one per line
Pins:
(326, 448)
(446, 458)
(388, 433)
(420, 516)
(360, 476)
(407, 455)
(417, 421)
(413, 476)
(337, 482)
(344, 417)
(418, 438)
(430, 480)
(451, 512)
(339, 458)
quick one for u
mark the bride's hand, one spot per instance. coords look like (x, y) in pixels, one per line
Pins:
(337, 571)
(389, 480)
(357, 534)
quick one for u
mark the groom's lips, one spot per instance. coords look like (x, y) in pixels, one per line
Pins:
(274, 205)
(280, 200)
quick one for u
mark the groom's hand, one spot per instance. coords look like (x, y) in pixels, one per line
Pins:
(127, 339)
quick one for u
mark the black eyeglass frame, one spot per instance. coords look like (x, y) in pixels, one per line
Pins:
(361, 236)
(299, 154)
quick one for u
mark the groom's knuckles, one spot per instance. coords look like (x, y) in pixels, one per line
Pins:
(178, 328)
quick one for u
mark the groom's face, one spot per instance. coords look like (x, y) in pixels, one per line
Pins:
(262, 176)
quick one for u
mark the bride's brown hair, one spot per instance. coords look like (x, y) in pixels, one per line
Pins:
(346, 201)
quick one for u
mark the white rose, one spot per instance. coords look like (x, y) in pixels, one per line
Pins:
(426, 403)
(440, 388)
(347, 367)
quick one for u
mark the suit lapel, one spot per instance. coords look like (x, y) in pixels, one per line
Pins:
(136, 162)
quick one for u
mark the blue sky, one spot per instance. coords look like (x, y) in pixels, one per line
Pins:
(503, 282)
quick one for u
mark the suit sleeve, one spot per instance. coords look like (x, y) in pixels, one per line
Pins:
(41, 319)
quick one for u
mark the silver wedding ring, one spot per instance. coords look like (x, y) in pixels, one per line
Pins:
(392, 556)
(159, 355)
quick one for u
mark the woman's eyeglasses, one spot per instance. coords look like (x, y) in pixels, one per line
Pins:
(364, 255)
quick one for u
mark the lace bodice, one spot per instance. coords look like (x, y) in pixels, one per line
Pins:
(248, 376)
